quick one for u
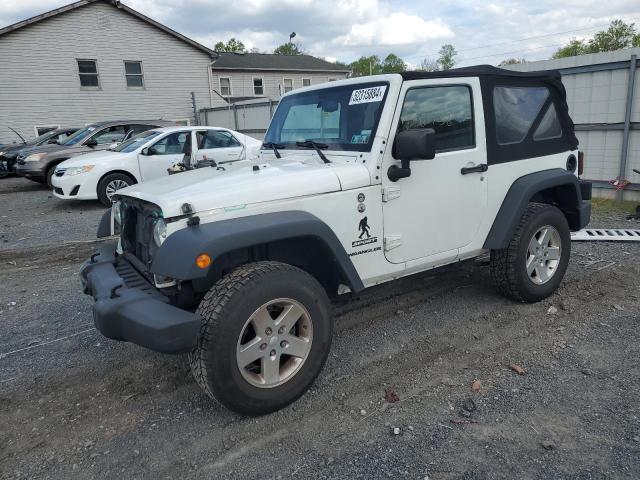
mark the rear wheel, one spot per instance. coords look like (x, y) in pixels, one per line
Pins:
(110, 184)
(265, 335)
(533, 265)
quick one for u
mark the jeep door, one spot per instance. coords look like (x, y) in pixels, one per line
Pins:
(218, 145)
(437, 210)
(155, 159)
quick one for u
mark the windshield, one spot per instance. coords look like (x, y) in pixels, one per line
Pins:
(343, 118)
(80, 135)
(135, 142)
(44, 137)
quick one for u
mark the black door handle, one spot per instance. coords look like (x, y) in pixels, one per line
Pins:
(483, 167)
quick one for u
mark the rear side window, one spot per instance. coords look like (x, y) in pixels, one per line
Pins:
(445, 109)
(549, 127)
(516, 108)
(217, 139)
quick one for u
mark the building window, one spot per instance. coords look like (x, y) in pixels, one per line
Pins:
(225, 86)
(258, 88)
(88, 72)
(288, 84)
(306, 82)
(133, 74)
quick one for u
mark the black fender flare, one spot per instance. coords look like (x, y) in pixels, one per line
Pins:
(104, 226)
(524, 190)
(176, 256)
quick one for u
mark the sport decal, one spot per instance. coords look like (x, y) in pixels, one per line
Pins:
(365, 237)
(367, 95)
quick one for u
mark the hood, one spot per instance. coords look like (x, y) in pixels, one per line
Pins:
(57, 149)
(92, 158)
(242, 185)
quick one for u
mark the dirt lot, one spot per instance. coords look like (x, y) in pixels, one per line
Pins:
(74, 404)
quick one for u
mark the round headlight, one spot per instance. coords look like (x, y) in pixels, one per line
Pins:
(159, 231)
(116, 213)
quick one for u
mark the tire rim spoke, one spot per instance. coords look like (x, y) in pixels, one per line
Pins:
(296, 346)
(270, 369)
(250, 352)
(289, 317)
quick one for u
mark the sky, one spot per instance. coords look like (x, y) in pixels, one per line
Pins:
(481, 31)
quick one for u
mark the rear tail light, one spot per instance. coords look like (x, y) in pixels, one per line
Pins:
(580, 162)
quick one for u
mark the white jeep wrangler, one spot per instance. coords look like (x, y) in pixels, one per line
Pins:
(359, 182)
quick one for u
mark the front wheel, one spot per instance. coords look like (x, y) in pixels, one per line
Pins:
(536, 259)
(110, 184)
(265, 335)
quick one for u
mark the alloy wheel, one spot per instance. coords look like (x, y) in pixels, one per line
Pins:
(543, 254)
(274, 343)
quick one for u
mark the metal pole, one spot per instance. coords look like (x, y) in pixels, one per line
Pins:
(195, 109)
(627, 123)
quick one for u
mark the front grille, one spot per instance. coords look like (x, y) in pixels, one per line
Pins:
(138, 221)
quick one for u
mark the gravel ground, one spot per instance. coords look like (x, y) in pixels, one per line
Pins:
(31, 216)
(74, 404)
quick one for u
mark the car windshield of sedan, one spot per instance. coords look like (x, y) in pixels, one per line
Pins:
(135, 142)
(80, 135)
(342, 118)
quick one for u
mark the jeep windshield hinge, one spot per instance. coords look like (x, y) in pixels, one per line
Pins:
(389, 193)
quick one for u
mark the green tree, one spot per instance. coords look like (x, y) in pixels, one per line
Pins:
(232, 45)
(366, 66)
(571, 49)
(511, 61)
(447, 56)
(618, 35)
(289, 49)
(393, 64)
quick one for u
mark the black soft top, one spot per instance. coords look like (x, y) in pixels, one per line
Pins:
(483, 71)
(491, 77)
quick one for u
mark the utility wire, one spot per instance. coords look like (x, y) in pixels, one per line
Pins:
(516, 41)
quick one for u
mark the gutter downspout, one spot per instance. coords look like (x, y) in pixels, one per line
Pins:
(627, 122)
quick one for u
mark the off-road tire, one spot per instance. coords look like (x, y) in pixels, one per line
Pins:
(224, 311)
(508, 265)
(102, 186)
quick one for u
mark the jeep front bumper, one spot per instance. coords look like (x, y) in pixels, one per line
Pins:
(128, 308)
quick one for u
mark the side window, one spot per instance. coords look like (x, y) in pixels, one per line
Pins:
(113, 134)
(219, 139)
(516, 108)
(139, 128)
(549, 127)
(445, 109)
(173, 144)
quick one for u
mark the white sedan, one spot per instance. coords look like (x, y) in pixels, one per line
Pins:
(147, 156)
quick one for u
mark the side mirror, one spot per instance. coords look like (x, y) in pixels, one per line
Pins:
(92, 142)
(411, 145)
(114, 145)
(144, 151)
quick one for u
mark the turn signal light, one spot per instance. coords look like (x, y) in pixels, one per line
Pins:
(203, 260)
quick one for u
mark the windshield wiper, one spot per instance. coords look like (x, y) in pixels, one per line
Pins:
(317, 147)
(273, 146)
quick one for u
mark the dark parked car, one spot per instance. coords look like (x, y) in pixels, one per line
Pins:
(38, 163)
(9, 153)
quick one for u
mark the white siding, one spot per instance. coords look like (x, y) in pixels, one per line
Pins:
(39, 82)
(242, 81)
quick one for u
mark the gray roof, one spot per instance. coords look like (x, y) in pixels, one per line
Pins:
(116, 4)
(269, 61)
